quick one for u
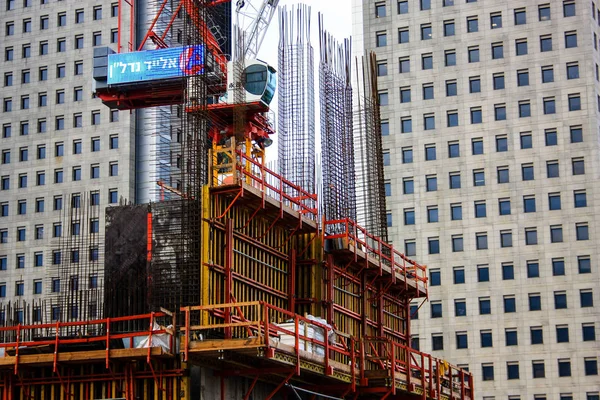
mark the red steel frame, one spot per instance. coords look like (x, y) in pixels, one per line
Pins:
(103, 325)
(260, 177)
(420, 372)
(373, 246)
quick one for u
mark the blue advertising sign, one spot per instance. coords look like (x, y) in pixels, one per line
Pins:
(155, 64)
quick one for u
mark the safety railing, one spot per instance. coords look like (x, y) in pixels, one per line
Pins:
(374, 247)
(108, 333)
(256, 320)
(436, 376)
(234, 166)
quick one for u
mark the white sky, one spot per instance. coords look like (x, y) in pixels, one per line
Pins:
(337, 18)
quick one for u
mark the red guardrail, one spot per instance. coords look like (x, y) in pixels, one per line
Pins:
(375, 247)
(276, 186)
(53, 334)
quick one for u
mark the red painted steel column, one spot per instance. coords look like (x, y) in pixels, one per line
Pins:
(292, 281)
(228, 274)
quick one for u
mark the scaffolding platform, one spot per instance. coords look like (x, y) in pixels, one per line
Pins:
(333, 362)
(353, 245)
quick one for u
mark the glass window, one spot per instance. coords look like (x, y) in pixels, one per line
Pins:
(529, 203)
(505, 239)
(459, 275)
(425, 4)
(406, 125)
(457, 246)
(508, 272)
(538, 369)
(450, 58)
(552, 170)
(461, 340)
(497, 51)
(381, 39)
(511, 337)
(570, 39)
(569, 9)
(521, 47)
(403, 7)
(431, 183)
(434, 277)
(481, 241)
(432, 214)
(408, 186)
(500, 112)
(496, 20)
(523, 78)
(407, 155)
(537, 335)
(580, 198)
(527, 172)
(427, 91)
(498, 81)
(379, 10)
(510, 305)
(526, 141)
(436, 310)
(427, 61)
(544, 12)
(520, 16)
(437, 342)
(409, 216)
(403, 36)
(454, 180)
(425, 31)
(383, 98)
(530, 239)
(487, 372)
(554, 201)
(582, 231)
(547, 74)
(501, 143)
(405, 95)
(558, 267)
(480, 209)
(546, 43)
(449, 29)
(456, 212)
(535, 302)
(556, 234)
(472, 24)
(590, 366)
(474, 84)
(453, 149)
(574, 102)
(452, 118)
(404, 64)
(476, 115)
(572, 70)
(451, 89)
(578, 166)
(478, 178)
(474, 54)
(429, 121)
(551, 137)
(485, 307)
(504, 206)
(589, 332)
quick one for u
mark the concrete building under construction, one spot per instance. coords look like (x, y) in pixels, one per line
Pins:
(238, 282)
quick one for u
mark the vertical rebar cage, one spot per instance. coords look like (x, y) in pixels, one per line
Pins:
(337, 144)
(296, 97)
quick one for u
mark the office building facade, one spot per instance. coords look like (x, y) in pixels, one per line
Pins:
(490, 117)
(65, 158)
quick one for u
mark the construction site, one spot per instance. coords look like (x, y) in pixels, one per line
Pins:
(247, 279)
